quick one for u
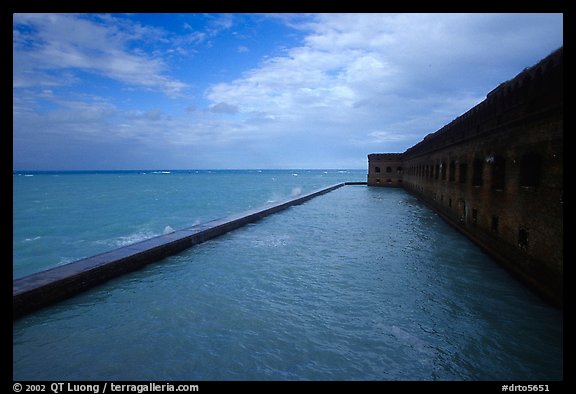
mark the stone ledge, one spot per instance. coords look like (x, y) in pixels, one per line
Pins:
(41, 289)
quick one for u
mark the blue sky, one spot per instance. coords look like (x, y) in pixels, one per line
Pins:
(243, 91)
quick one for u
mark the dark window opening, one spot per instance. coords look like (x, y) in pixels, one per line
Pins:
(450, 202)
(474, 215)
(530, 170)
(462, 210)
(437, 172)
(398, 169)
(452, 172)
(522, 238)
(494, 224)
(477, 168)
(388, 169)
(463, 172)
(377, 169)
(377, 180)
(498, 173)
(443, 170)
(388, 180)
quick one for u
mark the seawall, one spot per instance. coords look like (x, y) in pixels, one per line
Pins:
(41, 289)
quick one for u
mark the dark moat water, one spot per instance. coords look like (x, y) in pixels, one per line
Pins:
(359, 284)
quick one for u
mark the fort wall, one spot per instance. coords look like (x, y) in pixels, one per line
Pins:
(385, 169)
(496, 174)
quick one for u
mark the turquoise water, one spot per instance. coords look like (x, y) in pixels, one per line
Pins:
(358, 284)
(60, 217)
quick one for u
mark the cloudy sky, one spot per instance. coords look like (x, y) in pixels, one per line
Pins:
(209, 91)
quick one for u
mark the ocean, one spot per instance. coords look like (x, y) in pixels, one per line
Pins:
(60, 217)
(361, 283)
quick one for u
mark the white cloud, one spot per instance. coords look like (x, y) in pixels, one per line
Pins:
(56, 45)
(361, 72)
(357, 84)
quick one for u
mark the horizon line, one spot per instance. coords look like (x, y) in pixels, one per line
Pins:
(190, 169)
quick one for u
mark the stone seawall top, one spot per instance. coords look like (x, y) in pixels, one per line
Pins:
(41, 289)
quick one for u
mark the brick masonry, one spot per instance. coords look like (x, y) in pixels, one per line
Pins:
(496, 174)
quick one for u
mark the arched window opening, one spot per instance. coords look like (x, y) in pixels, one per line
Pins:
(461, 210)
(498, 173)
(530, 170)
(477, 169)
(494, 224)
(463, 172)
(452, 171)
(522, 238)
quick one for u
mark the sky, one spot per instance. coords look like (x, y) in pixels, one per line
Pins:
(253, 91)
